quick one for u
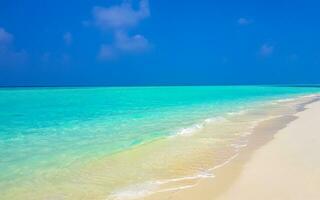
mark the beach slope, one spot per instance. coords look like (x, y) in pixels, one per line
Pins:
(288, 167)
(282, 162)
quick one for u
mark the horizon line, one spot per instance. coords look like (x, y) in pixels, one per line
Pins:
(161, 85)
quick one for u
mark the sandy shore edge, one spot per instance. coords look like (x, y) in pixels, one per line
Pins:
(285, 165)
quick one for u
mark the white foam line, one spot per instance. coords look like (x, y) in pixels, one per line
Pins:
(176, 188)
(238, 146)
(286, 100)
(241, 112)
(224, 163)
(186, 178)
(312, 95)
(295, 98)
(197, 127)
(138, 193)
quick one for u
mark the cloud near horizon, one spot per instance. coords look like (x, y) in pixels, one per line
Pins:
(118, 19)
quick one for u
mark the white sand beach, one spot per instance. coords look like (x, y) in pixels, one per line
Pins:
(284, 166)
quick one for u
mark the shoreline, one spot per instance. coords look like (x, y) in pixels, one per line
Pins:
(183, 166)
(236, 179)
(287, 167)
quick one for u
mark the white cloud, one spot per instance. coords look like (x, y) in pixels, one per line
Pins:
(123, 44)
(136, 43)
(5, 37)
(120, 16)
(266, 50)
(8, 55)
(67, 37)
(118, 19)
(244, 21)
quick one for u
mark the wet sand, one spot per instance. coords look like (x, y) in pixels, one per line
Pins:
(281, 162)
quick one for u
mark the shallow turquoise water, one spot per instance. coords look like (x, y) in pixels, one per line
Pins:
(43, 128)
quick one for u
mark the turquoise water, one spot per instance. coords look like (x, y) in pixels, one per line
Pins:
(50, 128)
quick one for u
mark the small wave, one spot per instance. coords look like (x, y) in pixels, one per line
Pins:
(241, 112)
(200, 175)
(148, 188)
(133, 192)
(215, 120)
(190, 130)
(224, 163)
(197, 127)
(238, 146)
(285, 100)
(312, 96)
(296, 98)
(176, 188)
(152, 187)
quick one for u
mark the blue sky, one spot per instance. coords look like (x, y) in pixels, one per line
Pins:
(158, 42)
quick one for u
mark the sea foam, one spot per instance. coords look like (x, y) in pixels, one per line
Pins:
(152, 187)
(197, 127)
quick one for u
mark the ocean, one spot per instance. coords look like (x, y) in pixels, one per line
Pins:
(119, 142)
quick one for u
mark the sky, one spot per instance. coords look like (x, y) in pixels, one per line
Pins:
(158, 42)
